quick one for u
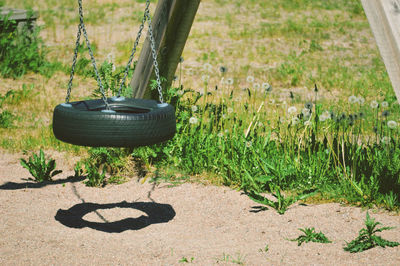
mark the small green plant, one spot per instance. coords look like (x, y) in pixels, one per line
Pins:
(310, 235)
(78, 169)
(95, 177)
(39, 168)
(265, 249)
(367, 239)
(282, 203)
(186, 260)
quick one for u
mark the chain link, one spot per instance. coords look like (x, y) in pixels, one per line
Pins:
(71, 77)
(122, 83)
(153, 50)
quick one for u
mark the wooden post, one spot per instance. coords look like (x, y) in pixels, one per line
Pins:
(384, 18)
(171, 24)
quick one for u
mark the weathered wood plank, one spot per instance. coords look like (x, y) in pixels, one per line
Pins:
(172, 22)
(17, 14)
(384, 18)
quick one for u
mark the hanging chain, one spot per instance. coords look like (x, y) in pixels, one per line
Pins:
(122, 83)
(71, 77)
(153, 50)
(82, 28)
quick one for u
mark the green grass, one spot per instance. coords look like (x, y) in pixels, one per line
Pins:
(240, 136)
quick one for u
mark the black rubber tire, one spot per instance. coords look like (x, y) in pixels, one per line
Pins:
(136, 122)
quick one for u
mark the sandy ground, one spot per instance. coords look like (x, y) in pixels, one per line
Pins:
(66, 223)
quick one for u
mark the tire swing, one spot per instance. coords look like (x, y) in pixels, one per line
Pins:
(115, 121)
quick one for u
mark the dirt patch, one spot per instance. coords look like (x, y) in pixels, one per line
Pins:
(66, 222)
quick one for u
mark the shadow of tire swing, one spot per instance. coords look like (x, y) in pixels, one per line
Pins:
(156, 213)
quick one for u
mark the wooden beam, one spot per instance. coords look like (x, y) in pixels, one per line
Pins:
(171, 23)
(384, 18)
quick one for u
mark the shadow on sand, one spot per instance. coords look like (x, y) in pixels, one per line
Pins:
(15, 186)
(156, 213)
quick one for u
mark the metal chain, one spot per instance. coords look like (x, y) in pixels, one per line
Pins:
(92, 56)
(78, 37)
(155, 63)
(122, 83)
(82, 28)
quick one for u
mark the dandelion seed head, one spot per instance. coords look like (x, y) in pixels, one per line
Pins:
(256, 86)
(205, 78)
(306, 112)
(223, 69)
(249, 143)
(180, 92)
(193, 120)
(327, 114)
(385, 140)
(229, 81)
(229, 110)
(266, 87)
(292, 110)
(207, 67)
(385, 104)
(181, 59)
(295, 120)
(272, 101)
(220, 134)
(250, 79)
(360, 100)
(194, 108)
(392, 124)
(374, 104)
(352, 99)
(307, 123)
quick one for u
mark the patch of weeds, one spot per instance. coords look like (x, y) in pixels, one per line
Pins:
(105, 166)
(310, 236)
(39, 167)
(282, 203)
(95, 177)
(367, 239)
(186, 260)
(239, 259)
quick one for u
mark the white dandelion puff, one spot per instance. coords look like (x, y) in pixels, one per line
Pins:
(229, 110)
(385, 104)
(256, 86)
(266, 86)
(180, 92)
(193, 120)
(307, 123)
(374, 104)
(249, 144)
(194, 108)
(295, 120)
(292, 110)
(360, 100)
(250, 79)
(207, 67)
(352, 99)
(205, 78)
(385, 140)
(392, 124)
(327, 115)
(220, 135)
(229, 81)
(306, 112)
